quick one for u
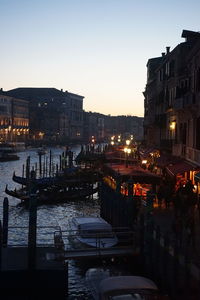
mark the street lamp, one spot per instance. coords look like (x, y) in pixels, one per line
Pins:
(127, 151)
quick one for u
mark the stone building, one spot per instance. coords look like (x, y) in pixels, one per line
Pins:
(102, 127)
(172, 100)
(55, 115)
(14, 119)
(94, 127)
(124, 125)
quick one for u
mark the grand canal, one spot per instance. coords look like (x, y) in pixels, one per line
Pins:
(50, 215)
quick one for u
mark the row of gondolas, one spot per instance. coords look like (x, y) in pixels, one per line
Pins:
(71, 184)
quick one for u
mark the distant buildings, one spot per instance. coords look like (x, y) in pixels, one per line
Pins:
(14, 118)
(102, 127)
(172, 100)
(49, 115)
(125, 125)
(55, 116)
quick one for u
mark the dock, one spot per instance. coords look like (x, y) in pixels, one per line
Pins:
(92, 253)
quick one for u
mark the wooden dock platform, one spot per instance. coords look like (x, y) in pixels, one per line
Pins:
(91, 253)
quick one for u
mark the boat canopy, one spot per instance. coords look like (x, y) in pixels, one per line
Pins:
(92, 224)
(126, 283)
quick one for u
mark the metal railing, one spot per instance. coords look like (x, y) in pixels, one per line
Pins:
(53, 236)
(18, 236)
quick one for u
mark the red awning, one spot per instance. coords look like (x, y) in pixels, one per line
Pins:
(134, 173)
(180, 168)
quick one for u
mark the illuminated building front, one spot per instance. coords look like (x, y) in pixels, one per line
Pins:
(14, 119)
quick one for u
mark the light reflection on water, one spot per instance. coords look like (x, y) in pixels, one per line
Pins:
(52, 215)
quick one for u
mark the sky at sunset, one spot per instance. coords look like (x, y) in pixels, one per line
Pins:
(94, 48)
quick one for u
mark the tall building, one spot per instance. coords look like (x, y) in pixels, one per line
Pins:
(54, 115)
(172, 99)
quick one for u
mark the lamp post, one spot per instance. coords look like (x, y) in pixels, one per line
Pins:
(127, 151)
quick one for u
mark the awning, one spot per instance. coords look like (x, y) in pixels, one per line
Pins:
(180, 168)
(132, 172)
(197, 177)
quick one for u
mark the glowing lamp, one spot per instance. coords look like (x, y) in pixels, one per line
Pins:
(172, 125)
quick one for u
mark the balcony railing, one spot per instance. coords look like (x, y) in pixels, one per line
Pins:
(188, 153)
(193, 155)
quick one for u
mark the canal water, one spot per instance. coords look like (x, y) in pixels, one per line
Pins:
(47, 215)
(51, 215)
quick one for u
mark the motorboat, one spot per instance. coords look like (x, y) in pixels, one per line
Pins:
(94, 276)
(128, 288)
(93, 231)
(104, 286)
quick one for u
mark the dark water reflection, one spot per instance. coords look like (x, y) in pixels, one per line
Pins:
(52, 215)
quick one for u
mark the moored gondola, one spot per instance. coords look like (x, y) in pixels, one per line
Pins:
(52, 195)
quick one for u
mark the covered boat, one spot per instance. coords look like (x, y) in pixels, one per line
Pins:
(128, 287)
(94, 232)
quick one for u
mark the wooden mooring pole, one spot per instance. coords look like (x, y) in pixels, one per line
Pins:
(0, 246)
(40, 164)
(32, 233)
(5, 222)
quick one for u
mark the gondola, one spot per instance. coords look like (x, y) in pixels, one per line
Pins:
(73, 180)
(52, 195)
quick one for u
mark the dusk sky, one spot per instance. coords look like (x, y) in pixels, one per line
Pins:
(94, 48)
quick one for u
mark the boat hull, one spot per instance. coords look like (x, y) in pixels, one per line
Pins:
(99, 242)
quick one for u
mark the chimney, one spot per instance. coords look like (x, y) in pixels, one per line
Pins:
(163, 54)
(168, 50)
(61, 90)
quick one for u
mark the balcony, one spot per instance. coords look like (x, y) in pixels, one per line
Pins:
(193, 155)
(188, 153)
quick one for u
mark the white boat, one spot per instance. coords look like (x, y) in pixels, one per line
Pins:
(93, 231)
(104, 286)
(127, 288)
(94, 276)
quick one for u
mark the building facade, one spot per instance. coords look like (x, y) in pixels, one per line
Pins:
(14, 119)
(102, 127)
(55, 115)
(172, 100)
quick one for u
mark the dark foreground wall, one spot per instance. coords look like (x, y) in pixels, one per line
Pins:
(36, 284)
